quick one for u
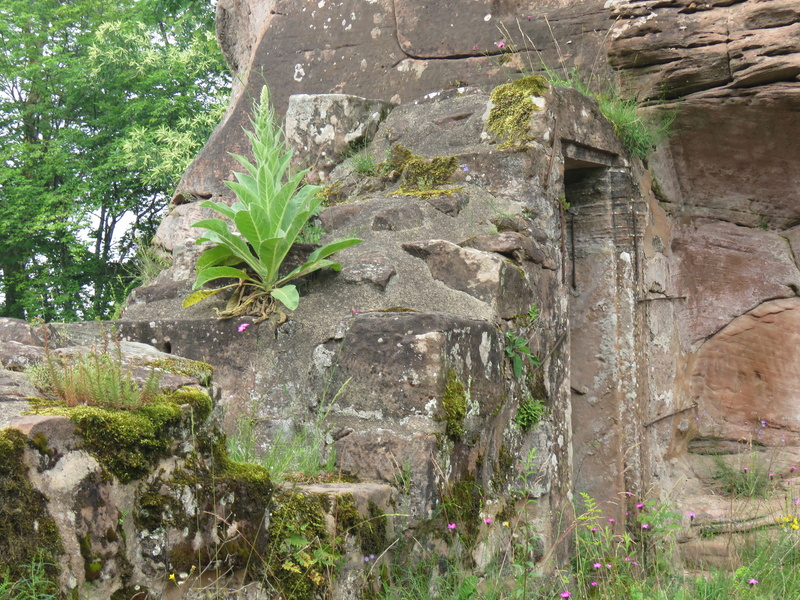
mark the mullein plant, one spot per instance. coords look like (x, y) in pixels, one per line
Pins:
(273, 204)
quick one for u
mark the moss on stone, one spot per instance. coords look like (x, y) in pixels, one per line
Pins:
(425, 175)
(370, 531)
(199, 402)
(420, 177)
(208, 493)
(26, 529)
(129, 443)
(454, 403)
(468, 496)
(332, 194)
(201, 371)
(512, 109)
(131, 593)
(299, 546)
(502, 469)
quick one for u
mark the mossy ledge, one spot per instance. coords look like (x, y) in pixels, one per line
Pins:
(129, 443)
(26, 529)
(512, 109)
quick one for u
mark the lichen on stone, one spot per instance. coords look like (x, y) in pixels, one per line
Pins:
(512, 109)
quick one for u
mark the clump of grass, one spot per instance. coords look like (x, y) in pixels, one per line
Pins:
(363, 163)
(748, 477)
(96, 378)
(34, 585)
(147, 263)
(301, 453)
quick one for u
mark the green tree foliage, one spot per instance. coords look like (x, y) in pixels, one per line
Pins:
(102, 105)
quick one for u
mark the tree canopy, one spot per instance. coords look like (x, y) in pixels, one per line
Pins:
(102, 106)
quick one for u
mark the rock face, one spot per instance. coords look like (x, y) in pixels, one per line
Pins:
(136, 503)
(667, 291)
(409, 350)
(388, 50)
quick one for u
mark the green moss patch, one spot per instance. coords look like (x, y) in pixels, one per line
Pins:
(420, 174)
(301, 554)
(454, 403)
(420, 177)
(207, 497)
(129, 443)
(27, 532)
(370, 531)
(512, 109)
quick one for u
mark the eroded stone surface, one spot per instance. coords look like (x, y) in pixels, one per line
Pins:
(373, 268)
(480, 274)
(724, 270)
(745, 379)
(678, 49)
(324, 128)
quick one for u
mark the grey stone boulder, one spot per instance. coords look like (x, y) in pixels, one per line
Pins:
(323, 128)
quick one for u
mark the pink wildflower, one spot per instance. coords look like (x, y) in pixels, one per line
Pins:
(640, 505)
(646, 526)
(597, 565)
(753, 581)
(612, 520)
(565, 594)
(487, 520)
(475, 47)
(242, 327)
(593, 584)
(691, 515)
(501, 44)
(451, 526)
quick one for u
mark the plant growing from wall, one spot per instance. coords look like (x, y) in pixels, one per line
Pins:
(271, 210)
(516, 348)
(530, 412)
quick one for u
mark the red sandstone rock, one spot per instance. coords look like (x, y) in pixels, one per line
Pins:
(746, 381)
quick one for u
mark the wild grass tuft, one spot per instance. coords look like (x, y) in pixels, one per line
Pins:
(97, 378)
(34, 585)
(299, 453)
